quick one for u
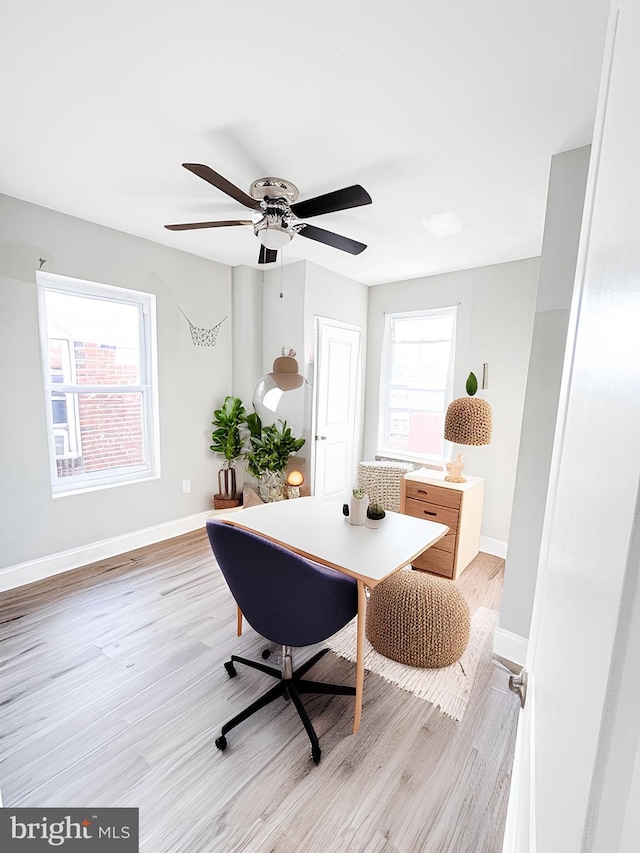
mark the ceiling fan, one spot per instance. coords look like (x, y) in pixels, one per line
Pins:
(278, 213)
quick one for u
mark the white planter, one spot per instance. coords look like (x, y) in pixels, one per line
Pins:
(358, 510)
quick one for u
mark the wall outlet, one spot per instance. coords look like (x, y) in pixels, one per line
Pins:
(186, 486)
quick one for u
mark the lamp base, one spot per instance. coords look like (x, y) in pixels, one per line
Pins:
(454, 470)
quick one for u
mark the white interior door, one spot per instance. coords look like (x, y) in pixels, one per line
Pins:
(337, 360)
(573, 777)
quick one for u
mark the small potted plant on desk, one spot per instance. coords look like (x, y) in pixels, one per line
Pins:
(375, 514)
(227, 441)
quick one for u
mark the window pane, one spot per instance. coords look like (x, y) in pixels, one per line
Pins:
(111, 434)
(416, 387)
(59, 410)
(93, 341)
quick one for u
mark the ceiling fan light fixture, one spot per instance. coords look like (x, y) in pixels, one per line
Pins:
(272, 235)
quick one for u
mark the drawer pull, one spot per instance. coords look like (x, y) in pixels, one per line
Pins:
(423, 492)
(429, 512)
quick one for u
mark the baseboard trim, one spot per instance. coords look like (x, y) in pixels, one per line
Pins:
(496, 547)
(513, 647)
(55, 564)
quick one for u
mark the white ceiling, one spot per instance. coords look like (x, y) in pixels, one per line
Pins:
(432, 106)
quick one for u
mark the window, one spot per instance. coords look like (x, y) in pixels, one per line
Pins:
(98, 351)
(416, 384)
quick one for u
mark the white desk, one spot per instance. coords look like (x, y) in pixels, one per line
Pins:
(316, 529)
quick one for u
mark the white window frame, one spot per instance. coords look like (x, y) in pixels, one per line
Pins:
(71, 435)
(384, 410)
(147, 387)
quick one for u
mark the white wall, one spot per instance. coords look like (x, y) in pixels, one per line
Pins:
(565, 202)
(246, 360)
(335, 297)
(192, 381)
(283, 316)
(283, 326)
(289, 320)
(495, 323)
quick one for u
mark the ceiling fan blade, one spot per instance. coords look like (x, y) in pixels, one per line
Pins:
(331, 239)
(267, 256)
(222, 184)
(189, 226)
(354, 196)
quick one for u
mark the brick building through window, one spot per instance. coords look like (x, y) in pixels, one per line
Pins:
(98, 362)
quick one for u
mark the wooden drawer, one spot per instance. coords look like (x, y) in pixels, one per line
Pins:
(448, 541)
(434, 494)
(436, 561)
(432, 512)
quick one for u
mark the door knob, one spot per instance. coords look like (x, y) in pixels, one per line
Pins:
(321, 438)
(518, 684)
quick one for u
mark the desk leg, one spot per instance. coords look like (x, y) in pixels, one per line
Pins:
(362, 612)
(239, 629)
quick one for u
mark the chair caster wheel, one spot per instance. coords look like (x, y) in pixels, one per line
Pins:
(221, 743)
(315, 754)
(230, 668)
(266, 654)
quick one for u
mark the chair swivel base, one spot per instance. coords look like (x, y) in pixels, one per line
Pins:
(289, 688)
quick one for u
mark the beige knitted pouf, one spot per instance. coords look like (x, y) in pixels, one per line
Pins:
(417, 619)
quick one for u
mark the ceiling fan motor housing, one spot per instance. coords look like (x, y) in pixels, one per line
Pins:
(265, 188)
(274, 228)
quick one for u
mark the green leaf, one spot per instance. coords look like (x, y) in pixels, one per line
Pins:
(227, 421)
(472, 384)
(271, 446)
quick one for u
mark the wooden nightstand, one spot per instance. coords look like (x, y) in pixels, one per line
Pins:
(458, 505)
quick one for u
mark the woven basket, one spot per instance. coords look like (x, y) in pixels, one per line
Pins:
(381, 481)
(417, 619)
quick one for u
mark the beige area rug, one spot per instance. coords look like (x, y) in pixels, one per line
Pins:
(448, 688)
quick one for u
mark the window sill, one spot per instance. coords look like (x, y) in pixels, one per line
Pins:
(98, 487)
(431, 465)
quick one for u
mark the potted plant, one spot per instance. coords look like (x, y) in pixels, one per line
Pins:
(270, 449)
(375, 514)
(358, 507)
(227, 441)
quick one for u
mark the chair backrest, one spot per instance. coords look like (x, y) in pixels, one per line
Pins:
(287, 599)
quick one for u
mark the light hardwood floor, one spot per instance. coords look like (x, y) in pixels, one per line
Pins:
(112, 692)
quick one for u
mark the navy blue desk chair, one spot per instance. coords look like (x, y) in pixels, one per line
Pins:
(290, 601)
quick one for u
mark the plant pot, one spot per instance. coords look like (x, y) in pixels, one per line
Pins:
(271, 486)
(374, 522)
(227, 483)
(358, 510)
